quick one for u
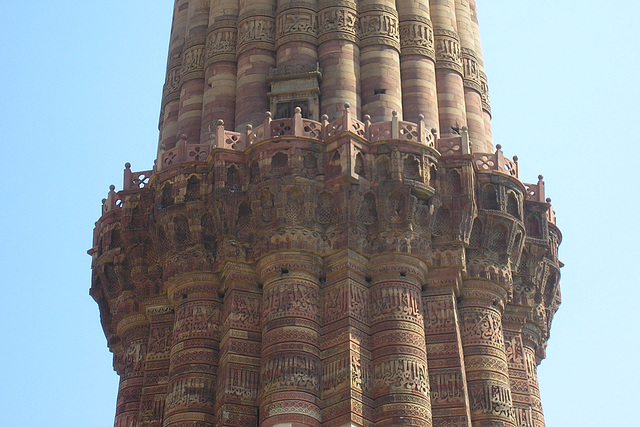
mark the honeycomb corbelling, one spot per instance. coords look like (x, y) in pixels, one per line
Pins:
(361, 256)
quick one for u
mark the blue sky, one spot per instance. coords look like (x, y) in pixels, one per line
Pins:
(81, 85)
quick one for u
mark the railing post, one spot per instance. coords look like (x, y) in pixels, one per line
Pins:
(126, 185)
(324, 121)
(422, 131)
(298, 127)
(247, 135)
(500, 163)
(465, 145)
(395, 132)
(367, 127)
(160, 160)
(346, 117)
(110, 202)
(220, 136)
(541, 190)
(267, 125)
(182, 148)
(436, 141)
(551, 214)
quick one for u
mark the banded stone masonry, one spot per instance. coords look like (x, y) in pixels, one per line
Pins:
(328, 237)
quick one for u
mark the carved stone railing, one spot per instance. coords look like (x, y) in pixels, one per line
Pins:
(297, 126)
(551, 214)
(112, 201)
(183, 152)
(497, 162)
(455, 145)
(536, 193)
(135, 180)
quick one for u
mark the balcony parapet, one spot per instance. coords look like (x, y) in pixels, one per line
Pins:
(113, 201)
(299, 127)
(135, 180)
(324, 130)
(497, 162)
(181, 153)
(535, 192)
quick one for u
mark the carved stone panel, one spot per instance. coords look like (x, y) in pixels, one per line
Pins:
(448, 51)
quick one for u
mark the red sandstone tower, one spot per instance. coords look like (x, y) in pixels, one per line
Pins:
(328, 237)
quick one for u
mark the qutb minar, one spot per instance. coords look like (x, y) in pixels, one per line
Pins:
(328, 236)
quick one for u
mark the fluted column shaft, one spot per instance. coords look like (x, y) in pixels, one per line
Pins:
(398, 357)
(129, 363)
(381, 87)
(290, 370)
(513, 322)
(484, 354)
(219, 99)
(255, 56)
(449, 394)
(296, 33)
(346, 355)
(294, 82)
(531, 340)
(339, 56)
(486, 107)
(417, 63)
(239, 378)
(194, 353)
(471, 74)
(192, 72)
(156, 372)
(451, 105)
(171, 91)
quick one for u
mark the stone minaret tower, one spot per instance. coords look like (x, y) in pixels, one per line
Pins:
(328, 236)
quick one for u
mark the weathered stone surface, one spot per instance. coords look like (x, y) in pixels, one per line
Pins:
(330, 264)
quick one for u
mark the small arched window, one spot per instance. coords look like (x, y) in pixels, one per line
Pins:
(456, 182)
(167, 195)
(433, 175)
(324, 208)
(295, 204)
(233, 176)
(443, 222)
(193, 189)
(359, 169)
(310, 161)
(244, 217)
(254, 173)
(513, 207)
(533, 226)
(279, 161)
(368, 210)
(181, 229)
(498, 242)
(489, 197)
(475, 241)
(411, 168)
(382, 167)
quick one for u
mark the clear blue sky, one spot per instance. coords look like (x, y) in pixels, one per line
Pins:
(81, 84)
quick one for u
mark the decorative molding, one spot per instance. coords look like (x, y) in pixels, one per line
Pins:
(296, 25)
(471, 70)
(256, 32)
(222, 41)
(338, 23)
(417, 38)
(379, 27)
(448, 52)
